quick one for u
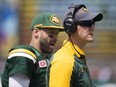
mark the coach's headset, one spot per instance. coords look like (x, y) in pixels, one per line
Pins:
(70, 24)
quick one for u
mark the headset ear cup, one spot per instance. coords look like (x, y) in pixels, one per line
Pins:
(69, 25)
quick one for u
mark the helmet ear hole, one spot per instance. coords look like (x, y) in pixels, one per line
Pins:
(70, 25)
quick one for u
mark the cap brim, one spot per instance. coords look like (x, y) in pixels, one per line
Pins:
(98, 17)
(53, 27)
(90, 16)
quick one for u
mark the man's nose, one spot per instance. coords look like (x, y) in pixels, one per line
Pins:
(55, 38)
(92, 27)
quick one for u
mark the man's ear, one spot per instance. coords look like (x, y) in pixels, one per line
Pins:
(36, 32)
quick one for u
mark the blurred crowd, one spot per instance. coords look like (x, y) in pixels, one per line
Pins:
(8, 25)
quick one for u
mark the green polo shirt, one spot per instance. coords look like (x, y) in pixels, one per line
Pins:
(25, 60)
(67, 69)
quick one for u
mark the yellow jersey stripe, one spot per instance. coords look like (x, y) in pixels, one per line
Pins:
(22, 54)
(23, 51)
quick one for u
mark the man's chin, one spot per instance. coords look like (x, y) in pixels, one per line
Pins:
(50, 51)
(91, 41)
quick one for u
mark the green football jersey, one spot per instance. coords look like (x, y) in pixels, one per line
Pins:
(26, 60)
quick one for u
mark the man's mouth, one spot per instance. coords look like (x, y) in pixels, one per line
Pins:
(90, 33)
(52, 44)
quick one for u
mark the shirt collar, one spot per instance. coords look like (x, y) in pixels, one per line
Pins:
(73, 51)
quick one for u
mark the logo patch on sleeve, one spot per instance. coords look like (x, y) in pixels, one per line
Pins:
(42, 63)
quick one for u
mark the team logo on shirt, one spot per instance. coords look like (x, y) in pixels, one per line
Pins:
(42, 63)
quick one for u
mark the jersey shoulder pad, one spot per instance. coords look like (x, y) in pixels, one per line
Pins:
(22, 50)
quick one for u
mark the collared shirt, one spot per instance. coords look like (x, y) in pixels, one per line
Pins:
(66, 69)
